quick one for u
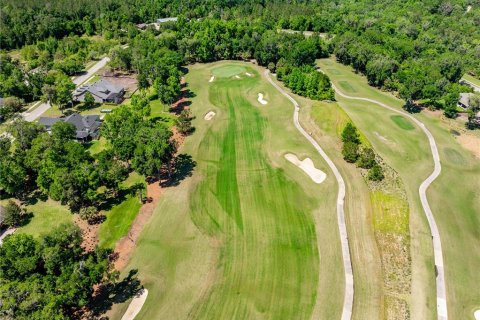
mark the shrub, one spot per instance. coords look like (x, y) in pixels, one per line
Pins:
(350, 151)
(13, 214)
(88, 213)
(376, 173)
(366, 159)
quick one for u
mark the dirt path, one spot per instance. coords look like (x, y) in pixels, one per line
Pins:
(442, 313)
(126, 245)
(347, 263)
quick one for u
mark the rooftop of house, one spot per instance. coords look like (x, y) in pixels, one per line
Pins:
(84, 125)
(101, 88)
(464, 98)
(161, 20)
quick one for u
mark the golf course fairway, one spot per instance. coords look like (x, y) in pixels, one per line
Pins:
(246, 235)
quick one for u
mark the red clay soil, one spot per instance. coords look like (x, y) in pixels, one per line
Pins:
(89, 233)
(125, 245)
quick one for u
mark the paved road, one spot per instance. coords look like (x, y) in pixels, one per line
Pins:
(44, 106)
(90, 72)
(7, 232)
(437, 245)
(347, 263)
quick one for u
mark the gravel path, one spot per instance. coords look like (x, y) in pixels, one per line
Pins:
(437, 245)
(347, 264)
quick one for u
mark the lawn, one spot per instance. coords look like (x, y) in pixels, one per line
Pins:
(97, 146)
(46, 216)
(248, 235)
(472, 79)
(121, 216)
(453, 197)
(227, 71)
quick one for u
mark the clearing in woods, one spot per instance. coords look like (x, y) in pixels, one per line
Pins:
(248, 235)
(453, 196)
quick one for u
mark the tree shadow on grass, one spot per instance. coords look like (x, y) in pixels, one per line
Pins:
(183, 168)
(109, 200)
(114, 293)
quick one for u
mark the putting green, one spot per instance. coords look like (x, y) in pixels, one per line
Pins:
(402, 122)
(228, 71)
(241, 238)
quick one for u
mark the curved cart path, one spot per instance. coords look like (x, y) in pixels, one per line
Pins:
(437, 245)
(347, 264)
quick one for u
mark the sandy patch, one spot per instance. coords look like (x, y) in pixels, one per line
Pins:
(89, 233)
(211, 79)
(136, 305)
(249, 74)
(476, 314)
(471, 143)
(237, 77)
(261, 100)
(318, 176)
(209, 115)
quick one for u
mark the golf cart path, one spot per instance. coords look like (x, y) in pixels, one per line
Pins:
(44, 106)
(437, 245)
(347, 264)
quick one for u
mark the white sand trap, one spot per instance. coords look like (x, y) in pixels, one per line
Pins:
(249, 74)
(318, 176)
(476, 314)
(237, 77)
(211, 79)
(136, 305)
(209, 115)
(261, 100)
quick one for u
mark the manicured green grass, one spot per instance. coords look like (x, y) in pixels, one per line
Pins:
(119, 218)
(402, 122)
(118, 221)
(472, 79)
(345, 85)
(97, 146)
(453, 197)
(46, 216)
(227, 71)
(241, 237)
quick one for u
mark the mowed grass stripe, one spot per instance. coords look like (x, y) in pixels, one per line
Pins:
(269, 261)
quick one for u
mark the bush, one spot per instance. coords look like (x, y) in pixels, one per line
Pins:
(366, 159)
(350, 134)
(376, 173)
(350, 151)
(88, 213)
(13, 214)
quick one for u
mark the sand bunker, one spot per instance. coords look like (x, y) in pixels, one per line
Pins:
(237, 77)
(209, 115)
(211, 79)
(261, 100)
(249, 74)
(476, 314)
(318, 176)
(136, 305)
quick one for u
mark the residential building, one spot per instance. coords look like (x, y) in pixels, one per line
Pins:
(87, 127)
(102, 91)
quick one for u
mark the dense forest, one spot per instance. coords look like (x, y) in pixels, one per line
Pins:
(419, 49)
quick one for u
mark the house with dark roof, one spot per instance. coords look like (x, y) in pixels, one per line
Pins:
(102, 91)
(464, 101)
(87, 127)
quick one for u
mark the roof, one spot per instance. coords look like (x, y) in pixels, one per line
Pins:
(464, 98)
(161, 20)
(85, 125)
(101, 88)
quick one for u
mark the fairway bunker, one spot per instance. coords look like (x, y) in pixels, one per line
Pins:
(261, 100)
(249, 74)
(209, 115)
(136, 305)
(211, 79)
(318, 176)
(476, 314)
(237, 77)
